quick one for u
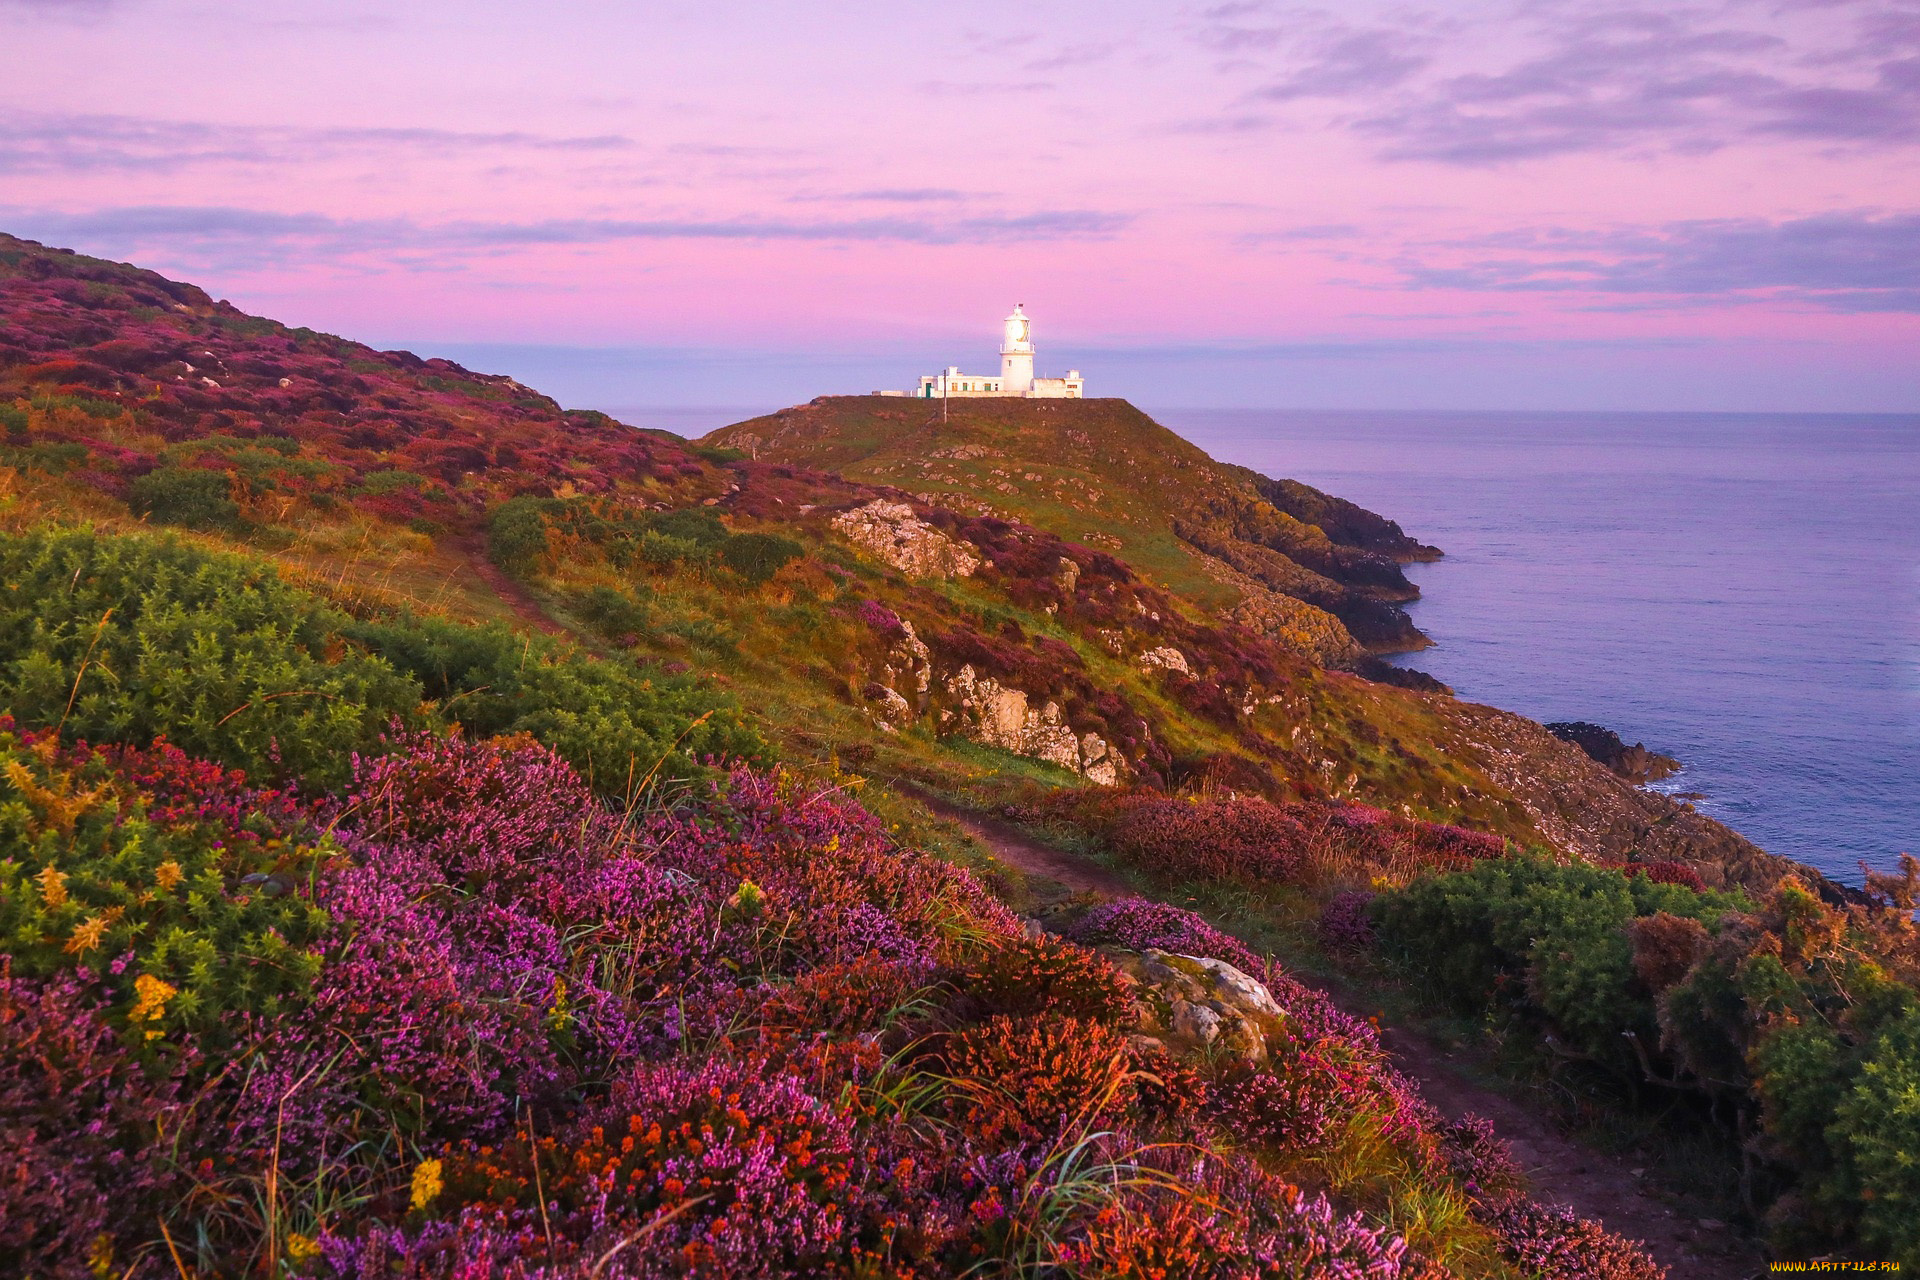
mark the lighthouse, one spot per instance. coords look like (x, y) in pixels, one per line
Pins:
(1016, 372)
(1016, 354)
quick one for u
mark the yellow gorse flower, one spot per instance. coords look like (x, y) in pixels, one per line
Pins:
(53, 887)
(100, 1256)
(168, 874)
(59, 807)
(300, 1248)
(86, 936)
(150, 1000)
(427, 1185)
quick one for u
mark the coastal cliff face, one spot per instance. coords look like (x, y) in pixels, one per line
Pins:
(1589, 810)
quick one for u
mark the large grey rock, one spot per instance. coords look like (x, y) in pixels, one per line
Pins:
(892, 533)
(1199, 1003)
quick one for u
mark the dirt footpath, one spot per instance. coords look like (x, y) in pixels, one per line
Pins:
(1562, 1171)
(474, 547)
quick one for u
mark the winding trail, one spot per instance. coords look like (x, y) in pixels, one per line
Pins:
(1595, 1185)
(474, 547)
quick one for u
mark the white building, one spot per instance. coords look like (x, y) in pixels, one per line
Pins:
(1014, 379)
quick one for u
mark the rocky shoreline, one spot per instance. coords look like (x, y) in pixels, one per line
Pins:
(1635, 763)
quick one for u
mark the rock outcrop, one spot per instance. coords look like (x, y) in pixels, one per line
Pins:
(1634, 763)
(1292, 623)
(984, 710)
(1197, 1003)
(1583, 808)
(1166, 656)
(892, 533)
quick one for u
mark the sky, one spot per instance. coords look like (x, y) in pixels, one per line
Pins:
(1542, 204)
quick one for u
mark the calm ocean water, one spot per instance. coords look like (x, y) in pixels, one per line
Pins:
(1738, 590)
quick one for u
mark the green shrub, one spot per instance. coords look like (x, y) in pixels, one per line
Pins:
(610, 720)
(55, 457)
(14, 421)
(703, 633)
(262, 462)
(758, 556)
(123, 639)
(1556, 933)
(517, 532)
(614, 614)
(186, 496)
(126, 638)
(662, 549)
(1877, 1129)
(89, 405)
(1798, 1010)
(521, 532)
(697, 525)
(382, 482)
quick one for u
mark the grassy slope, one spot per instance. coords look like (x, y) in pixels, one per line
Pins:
(1076, 468)
(1103, 473)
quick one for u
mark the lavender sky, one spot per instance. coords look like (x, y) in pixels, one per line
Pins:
(1474, 204)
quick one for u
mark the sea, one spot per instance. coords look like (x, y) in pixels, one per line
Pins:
(1739, 591)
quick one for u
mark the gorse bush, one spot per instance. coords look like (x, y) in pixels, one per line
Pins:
(619, 616)
(1558, 933)
(613, 721)
(517, 532)
(756, 557)
(188, 892)
(523, 532)
(187, 496)
(379, 482)
(1797, 1018)
(124, 639)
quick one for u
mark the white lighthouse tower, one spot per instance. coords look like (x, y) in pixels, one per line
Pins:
(1016, 354)
(1016, 372)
